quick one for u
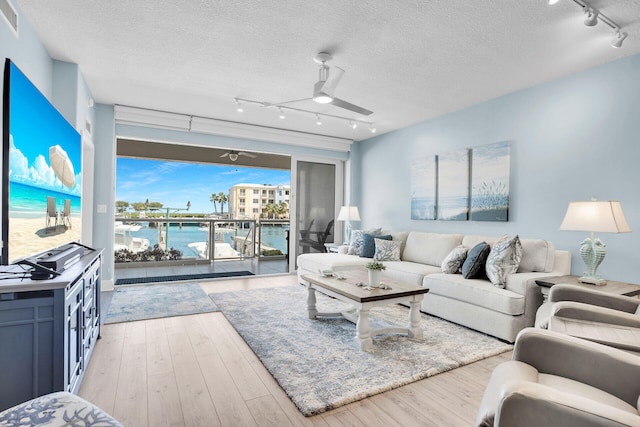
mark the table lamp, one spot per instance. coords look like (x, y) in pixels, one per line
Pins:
(348, 214)
(594, 215)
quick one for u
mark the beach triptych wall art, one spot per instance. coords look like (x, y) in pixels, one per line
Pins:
(464, 184)
(490, 182)
(423, 188)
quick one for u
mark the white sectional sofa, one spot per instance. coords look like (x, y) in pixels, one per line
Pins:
(475, 303)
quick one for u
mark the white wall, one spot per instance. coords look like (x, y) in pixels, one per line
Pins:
(571, 139)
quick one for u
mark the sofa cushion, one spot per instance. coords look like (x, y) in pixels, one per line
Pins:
(369, 245)
(314, 263)
(503, 259)
(387, 250)
(409, 272)
(537, 255)
(429, 248)
(473, 266)
(474, 291)
(453, 262)
(355, 244)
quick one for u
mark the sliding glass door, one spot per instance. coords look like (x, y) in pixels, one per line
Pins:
(317, 196)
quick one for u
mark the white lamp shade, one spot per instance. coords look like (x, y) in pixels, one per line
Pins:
(349, 213)
(595, 216)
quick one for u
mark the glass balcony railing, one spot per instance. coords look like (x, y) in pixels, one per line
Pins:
(155, 239)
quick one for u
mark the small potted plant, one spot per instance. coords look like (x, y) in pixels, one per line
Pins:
(375, 271)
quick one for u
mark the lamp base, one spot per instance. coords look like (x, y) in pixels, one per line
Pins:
(597, 281)
(593, 252)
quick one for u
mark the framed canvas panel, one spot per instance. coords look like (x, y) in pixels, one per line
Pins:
(423, 188)
(490, 182)
(453, 185)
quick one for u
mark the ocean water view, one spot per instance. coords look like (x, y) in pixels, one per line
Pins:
(27, 201)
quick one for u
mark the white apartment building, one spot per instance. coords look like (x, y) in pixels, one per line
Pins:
(248, 201)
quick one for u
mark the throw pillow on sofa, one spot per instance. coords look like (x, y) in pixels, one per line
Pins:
(355, 244)
(369, 245)
(473, 266)
(387, 250)
(453, 262)
(503, 260)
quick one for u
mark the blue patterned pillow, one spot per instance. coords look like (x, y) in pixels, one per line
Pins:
(387, 250)
(473, 267)
(504, 259)
(369, 245)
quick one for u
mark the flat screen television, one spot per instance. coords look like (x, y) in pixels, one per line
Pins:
(41, 171)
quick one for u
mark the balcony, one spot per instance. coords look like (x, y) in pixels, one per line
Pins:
(158, 241)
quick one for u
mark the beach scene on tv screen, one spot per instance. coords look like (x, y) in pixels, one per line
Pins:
(45, 176)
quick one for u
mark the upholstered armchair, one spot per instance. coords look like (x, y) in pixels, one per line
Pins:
(609, 319)
(559, 380)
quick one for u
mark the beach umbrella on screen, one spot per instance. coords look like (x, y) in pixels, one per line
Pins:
(62, 166)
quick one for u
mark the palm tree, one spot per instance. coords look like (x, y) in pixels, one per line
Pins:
(270, 210)
(283, 210)
(214, 199)
(222, 199)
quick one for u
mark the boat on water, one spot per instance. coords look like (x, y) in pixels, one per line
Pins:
(124, 239)
(222, 250)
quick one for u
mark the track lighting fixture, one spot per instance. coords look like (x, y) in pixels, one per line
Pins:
(620, 36)
(239, 108)
(592, 17)
(352, 123)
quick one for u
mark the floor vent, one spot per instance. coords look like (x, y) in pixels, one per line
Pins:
(9, 14)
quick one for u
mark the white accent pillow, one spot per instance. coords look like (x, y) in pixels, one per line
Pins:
(453, 262)
(503, 260)
(387, 250)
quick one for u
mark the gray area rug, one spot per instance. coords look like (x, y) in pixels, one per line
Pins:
(130, 303)
(319, 365)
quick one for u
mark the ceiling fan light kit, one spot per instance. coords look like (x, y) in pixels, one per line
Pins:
(233, 155)
(593, 16)
(323, 93)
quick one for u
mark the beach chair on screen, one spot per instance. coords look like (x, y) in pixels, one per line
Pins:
(52, 214)
(66, 214)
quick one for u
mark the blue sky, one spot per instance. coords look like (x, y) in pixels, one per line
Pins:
(175, 183)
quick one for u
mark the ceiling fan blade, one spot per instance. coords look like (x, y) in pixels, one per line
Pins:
(251, 155)
(225, 155)
(290, 102)
(348, 106)
(331, 84)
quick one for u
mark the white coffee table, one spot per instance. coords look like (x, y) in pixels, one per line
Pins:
(363, 300)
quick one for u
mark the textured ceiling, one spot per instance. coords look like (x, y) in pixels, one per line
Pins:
(407, 61)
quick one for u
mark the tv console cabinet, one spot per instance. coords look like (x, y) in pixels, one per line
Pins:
(48, 329)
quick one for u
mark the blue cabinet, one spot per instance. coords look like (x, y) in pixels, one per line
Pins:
(48, 329)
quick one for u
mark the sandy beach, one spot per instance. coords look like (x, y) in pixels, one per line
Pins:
(29, 236)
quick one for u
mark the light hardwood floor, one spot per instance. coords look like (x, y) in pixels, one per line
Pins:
(197, 371)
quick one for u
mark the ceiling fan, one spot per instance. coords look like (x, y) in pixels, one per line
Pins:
(325, 87)
(233, 155)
